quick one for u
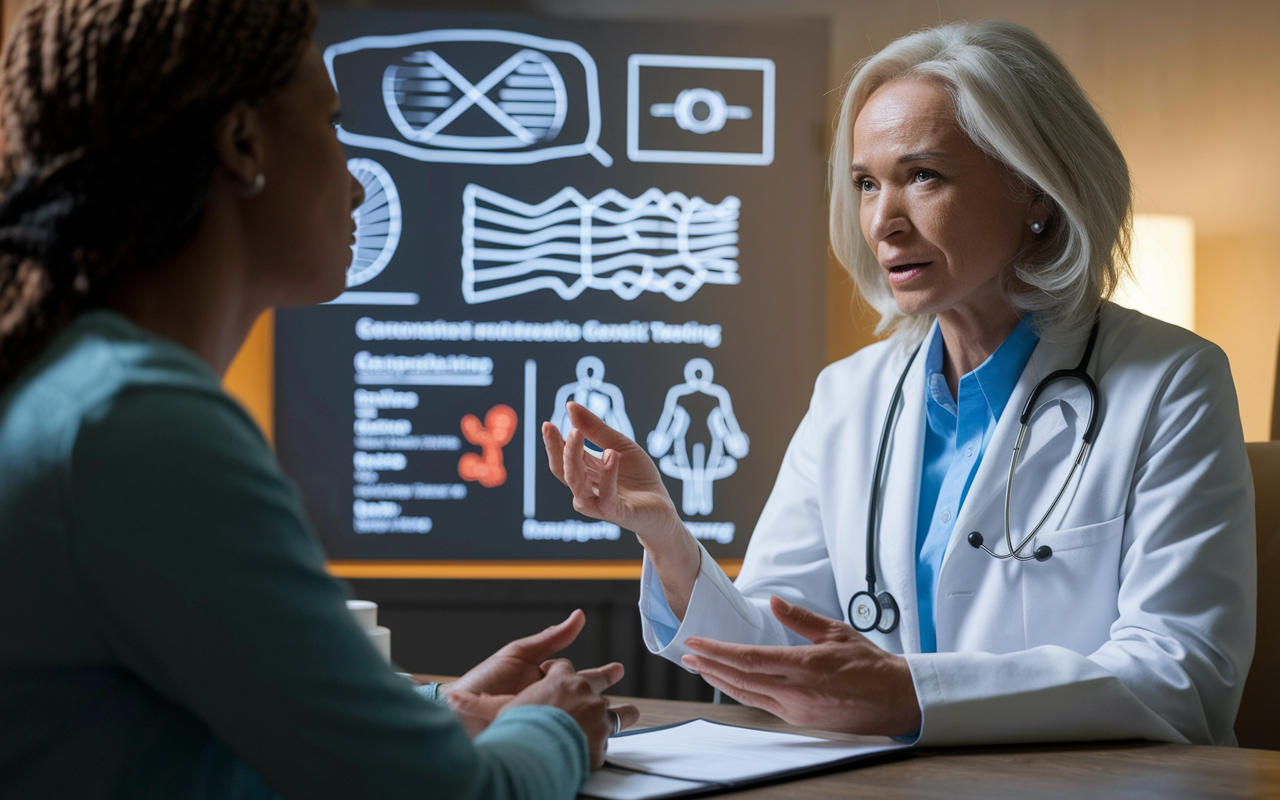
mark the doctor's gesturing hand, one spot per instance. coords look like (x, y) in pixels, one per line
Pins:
(841, 682)
(623, 486)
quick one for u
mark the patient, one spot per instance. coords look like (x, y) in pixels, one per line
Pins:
(169, 627)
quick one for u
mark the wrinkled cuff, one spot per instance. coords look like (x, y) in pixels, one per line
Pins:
(431, 693)
(717, 610)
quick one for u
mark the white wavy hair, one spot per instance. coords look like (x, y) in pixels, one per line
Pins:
(1017, 102)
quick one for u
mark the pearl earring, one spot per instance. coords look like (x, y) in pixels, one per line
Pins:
(254, 189)
(1037, 227)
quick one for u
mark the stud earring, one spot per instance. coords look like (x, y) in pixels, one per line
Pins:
(1036, 227)
(254, 189)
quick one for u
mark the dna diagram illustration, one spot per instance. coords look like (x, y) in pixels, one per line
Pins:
(660, 242)
(424, 93)
(378, 221)
(600, 398)
(472, 96)
(701, 466)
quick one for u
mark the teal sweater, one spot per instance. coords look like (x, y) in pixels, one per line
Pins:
(167, 627)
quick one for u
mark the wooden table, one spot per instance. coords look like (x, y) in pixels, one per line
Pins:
(1091, 771)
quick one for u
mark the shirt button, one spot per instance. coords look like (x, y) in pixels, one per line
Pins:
(946, 516)
(968, 451)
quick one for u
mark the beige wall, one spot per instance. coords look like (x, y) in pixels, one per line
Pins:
(12, 8)
(1191, 89)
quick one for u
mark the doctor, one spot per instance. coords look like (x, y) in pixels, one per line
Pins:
(982, 207)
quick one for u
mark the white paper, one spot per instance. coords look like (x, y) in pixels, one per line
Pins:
(617, 784)
(706, 752)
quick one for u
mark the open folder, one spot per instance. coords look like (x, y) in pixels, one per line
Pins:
(703, 757)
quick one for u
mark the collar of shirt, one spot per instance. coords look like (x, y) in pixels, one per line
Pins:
(991, 383)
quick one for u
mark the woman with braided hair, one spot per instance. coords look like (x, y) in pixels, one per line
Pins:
(169, 627)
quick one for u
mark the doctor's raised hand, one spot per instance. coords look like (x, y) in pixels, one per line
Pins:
(622, 485)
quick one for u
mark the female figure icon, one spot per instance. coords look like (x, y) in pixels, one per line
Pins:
(700, 467)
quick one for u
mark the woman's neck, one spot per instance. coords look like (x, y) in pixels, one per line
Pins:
(970, 337)
(200, 298)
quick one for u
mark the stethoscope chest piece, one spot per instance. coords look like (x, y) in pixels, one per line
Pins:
(869, 612)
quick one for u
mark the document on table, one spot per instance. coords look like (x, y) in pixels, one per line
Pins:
(701, 757)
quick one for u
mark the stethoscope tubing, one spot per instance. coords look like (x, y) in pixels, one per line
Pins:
(872, 601)
(884, 601)
(874, 505)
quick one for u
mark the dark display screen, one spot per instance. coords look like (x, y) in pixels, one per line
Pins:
(629, 215)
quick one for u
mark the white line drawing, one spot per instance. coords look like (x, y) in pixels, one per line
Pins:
(572, 530)
(569, 243)
(374, 299)
(378, 221)
(542, 109)
(600, 398)
(530, 437)
(700, 468)
(423, 94)
(684, 110)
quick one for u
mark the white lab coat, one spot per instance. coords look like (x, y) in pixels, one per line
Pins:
(1141, 625)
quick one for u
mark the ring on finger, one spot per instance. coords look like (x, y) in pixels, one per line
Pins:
(617, 721)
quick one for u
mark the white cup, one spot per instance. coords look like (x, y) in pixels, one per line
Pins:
(365, 612)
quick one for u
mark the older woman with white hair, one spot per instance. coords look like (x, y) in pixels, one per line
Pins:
(1028, 514)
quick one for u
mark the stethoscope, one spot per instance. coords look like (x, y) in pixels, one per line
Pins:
(868, 610)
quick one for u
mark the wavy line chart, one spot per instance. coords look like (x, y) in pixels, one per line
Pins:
(663, 242)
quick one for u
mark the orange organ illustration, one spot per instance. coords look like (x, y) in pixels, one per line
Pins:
(486, 466)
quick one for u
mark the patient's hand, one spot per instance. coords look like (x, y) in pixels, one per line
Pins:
(577, 693)
(510, 670)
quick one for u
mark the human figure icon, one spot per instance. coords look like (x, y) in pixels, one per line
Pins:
(701, 466)
(600, 398)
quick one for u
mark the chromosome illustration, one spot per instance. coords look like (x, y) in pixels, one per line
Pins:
(600, 398)
(658, 242)
(687, 110)
(700, 466)
(513, 111)
(486, 467)
(378, 221)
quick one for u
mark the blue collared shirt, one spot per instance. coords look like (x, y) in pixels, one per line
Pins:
(955, 440)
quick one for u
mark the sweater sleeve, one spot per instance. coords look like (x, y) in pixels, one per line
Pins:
(210, 586)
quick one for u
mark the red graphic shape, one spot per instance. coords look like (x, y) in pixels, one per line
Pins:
(486, 466)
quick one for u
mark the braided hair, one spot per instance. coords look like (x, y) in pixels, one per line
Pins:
(108, 109)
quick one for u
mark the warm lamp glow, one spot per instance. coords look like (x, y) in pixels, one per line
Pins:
(1164, 269)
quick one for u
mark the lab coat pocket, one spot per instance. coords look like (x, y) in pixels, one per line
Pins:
(1070, 599)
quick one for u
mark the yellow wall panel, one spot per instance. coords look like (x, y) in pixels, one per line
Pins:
(249, 378)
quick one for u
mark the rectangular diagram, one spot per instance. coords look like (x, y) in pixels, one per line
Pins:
(553, 210)
(700, 109)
